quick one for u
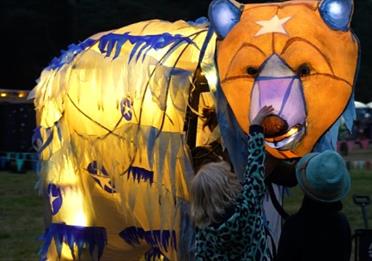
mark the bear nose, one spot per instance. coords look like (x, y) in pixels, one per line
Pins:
(274, 126)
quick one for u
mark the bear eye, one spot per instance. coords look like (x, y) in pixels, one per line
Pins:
(253, 71)
(304, 70)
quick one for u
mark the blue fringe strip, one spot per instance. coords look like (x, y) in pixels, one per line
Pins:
(233, 137)
(155, 238)
(142, 43)
(82, 237)
(187, 244)
(349, 114)
(141, 174)
(67, 56)
(137, 173)
(37, 139)
(201, 21)
(114, 42)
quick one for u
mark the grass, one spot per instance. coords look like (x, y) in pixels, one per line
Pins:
(21, 212)
(21, 217)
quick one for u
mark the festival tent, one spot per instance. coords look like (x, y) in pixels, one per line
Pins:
(14, 96)
(360, 105)
(17, 117)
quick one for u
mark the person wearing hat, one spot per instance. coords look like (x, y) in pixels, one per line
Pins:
(319, 231)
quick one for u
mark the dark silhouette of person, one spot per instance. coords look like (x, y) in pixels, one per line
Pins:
(319, 231)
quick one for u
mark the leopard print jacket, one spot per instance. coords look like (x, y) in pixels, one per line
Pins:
(242, 236)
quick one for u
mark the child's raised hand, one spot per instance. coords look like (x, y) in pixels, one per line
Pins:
(263, 112)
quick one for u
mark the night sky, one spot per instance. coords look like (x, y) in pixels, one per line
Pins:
(34, 31)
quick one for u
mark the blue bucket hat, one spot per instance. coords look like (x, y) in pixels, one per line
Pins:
(323, 176)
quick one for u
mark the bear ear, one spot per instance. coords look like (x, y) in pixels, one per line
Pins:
(223, 16)
(337, 13)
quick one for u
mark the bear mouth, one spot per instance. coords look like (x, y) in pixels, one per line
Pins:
(288, 140)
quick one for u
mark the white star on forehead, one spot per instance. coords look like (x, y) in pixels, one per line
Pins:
(274, 25)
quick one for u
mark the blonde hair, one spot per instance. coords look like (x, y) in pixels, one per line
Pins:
(213, 190)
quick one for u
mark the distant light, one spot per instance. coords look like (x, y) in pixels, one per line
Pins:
(3, 94)
(21, 95)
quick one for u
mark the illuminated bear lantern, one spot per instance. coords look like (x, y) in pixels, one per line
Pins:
(113, 114)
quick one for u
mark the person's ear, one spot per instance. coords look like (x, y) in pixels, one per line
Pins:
(337, 14)
(223, 16)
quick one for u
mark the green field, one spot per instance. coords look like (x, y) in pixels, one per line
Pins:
(21, 214)
(21, 217)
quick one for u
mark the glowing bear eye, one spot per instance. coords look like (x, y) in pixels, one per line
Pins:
(253, 71)
(303, 70)
(337, 13)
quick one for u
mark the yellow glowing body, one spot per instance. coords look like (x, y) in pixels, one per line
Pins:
(84, 97)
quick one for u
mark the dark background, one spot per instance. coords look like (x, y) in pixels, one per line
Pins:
(34, 31)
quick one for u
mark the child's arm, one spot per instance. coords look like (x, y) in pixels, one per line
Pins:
(253, 181)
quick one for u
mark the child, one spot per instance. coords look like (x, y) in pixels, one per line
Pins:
(319, 231)
(229, 215)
